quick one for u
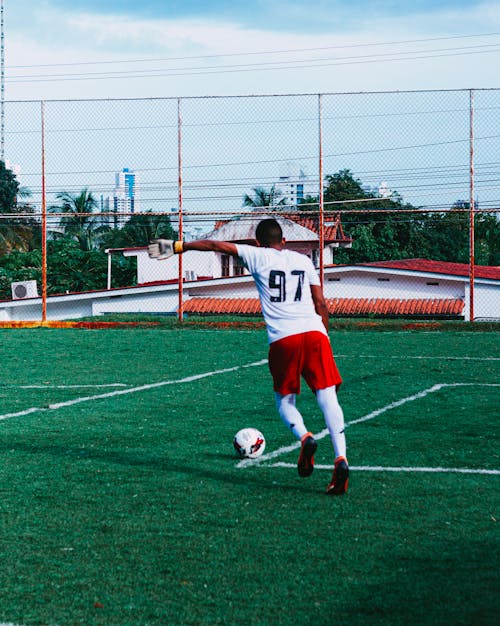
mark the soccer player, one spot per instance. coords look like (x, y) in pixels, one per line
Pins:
(296, 318)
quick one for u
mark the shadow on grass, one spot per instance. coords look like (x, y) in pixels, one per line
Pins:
(229, 475)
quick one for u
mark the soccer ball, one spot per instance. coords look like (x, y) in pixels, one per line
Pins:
(249, 443)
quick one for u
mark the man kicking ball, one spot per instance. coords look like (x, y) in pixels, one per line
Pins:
(296, 318)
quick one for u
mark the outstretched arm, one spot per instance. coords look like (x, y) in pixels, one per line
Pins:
(206, 245)
(162, 249)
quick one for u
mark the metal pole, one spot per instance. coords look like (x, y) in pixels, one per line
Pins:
(179, 157)
(471, 207)
(2, 84)
(44, 222)
(321, 225)
(108, 282)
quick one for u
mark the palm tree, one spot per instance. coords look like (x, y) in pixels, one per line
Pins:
(79, 222)
(264, 199)
(18, 228)
(11, 237)
(140, 229)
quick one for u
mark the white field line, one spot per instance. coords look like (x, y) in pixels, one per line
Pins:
(343, 356)
(379, 468)
(113, 394)
(94, 386)
(369, 416)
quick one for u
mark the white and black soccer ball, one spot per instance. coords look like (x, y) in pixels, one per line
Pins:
(249, 443)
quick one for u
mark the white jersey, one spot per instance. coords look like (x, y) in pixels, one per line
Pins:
(283, 280)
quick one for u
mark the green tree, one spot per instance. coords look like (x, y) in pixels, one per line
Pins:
(80, 222)
(379, 227)
(447, 236)
(17, 266)
(343, 186)
(9, 190)
(139, 230)
(263, 198)
(487, 240)
(19, 230)
(308, 203)
(69, 268)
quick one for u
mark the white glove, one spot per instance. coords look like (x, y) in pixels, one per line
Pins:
(161, 249)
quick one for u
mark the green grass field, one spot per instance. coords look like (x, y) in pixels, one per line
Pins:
(122, 502)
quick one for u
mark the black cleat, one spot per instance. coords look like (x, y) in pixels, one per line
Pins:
(340, 478)
(305, 464)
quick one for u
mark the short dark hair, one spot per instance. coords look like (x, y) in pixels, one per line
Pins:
(268, 232)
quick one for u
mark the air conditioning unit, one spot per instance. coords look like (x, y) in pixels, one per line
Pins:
(24, 289)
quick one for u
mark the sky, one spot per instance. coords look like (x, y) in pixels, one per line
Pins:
(129, 48)
(140, 56)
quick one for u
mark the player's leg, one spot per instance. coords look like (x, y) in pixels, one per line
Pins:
(285, 364)
(334, 418)
(290, 414)
(293, 420)
(322, 376)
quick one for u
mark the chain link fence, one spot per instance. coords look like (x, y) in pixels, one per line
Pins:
(394, 195)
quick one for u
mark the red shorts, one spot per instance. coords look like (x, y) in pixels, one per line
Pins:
(306, 354)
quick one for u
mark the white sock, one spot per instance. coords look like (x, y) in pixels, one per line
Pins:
(334, 418)
(290, 414)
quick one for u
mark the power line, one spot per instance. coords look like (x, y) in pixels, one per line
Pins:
(309, 63)
(162, 73)
(257, 53)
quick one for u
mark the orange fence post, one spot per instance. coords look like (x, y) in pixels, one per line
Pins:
(44, 221)
(471, 208)
(179, 161)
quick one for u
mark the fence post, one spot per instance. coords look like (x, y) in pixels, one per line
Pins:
(44, 220)
(471, 206)
(321, 232)
(180, 313)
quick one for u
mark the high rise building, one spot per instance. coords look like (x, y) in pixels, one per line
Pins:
(294, 185)
(125, 195)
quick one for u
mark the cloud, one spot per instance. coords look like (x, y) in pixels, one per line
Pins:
(56, 36)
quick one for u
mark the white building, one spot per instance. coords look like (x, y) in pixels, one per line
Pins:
(295, 185)
(125, 196)
(406, 288)
(214, 283)
(382, 190)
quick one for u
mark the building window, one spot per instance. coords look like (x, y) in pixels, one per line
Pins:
(238, 267)
(225, 259)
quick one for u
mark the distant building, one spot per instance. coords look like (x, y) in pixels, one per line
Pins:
(15, 169)
(381, 190)
(295, 185)
(464, 205)
(124, 196)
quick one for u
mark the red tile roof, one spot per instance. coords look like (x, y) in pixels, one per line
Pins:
(336, 306)
(438, 267)
(333, 230)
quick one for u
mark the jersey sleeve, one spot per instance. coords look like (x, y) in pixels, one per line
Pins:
(312, 274)
(248, 255)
